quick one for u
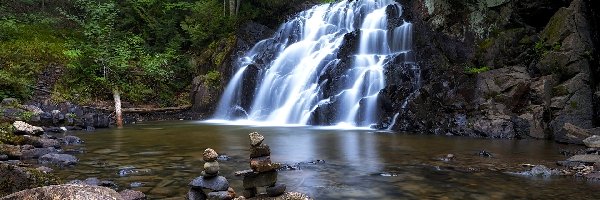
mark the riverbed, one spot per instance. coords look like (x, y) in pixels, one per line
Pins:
(161, 158)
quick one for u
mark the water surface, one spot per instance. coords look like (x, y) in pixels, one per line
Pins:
(331, 164)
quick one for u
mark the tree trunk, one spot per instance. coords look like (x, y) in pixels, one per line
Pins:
(224, 7)
(118, 111)
(231, 7)
(237, 7)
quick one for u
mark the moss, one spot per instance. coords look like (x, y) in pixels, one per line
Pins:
(477, 70)
(552, 32)
(212, 79)
(487, 43)
(560, 90)
(573, 104)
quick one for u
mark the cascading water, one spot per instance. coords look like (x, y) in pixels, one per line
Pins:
(301, 76)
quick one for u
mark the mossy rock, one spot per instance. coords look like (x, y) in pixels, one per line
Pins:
(14, 178)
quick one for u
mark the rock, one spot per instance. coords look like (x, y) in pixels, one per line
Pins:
(253, 180)
(3, 157)
(587, 158)
(54, 129)
(69, 139)
(573, 134)
(209, 155)
(92, 181)
(218, 183)
(10, 102)
(67, 192)
(256, 139)
(259, 151)
(592, 141)
(593, 176)
(211, 168)
(14, 178)
(295, 196)
(132, 195)
(13, 152)
(40, 142)
(223, 158)
(539, 170)
(249, 192)
(195, 194)
(33, 109)
(243, 172)
(231, 192)
(22, 128)
(61, 160)
(44, 169)
(38, 152)
(276, 190)
(222, 195)
(262, 164)
(484, 153)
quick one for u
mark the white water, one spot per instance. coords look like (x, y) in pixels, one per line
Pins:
(293, 64)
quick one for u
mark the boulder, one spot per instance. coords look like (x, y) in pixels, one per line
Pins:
(592, 141)
(263, 164)
(587, 158)
(37, 152)
(40, 142)
(276, 190)
(67, 192)
(259, 151)
(209, 155)
(22, 128)
(14, 178)
(253, 180)
(132, 195)
(61, 160)
(256, 139)
(572, 134)
(218, 183)
(211, 168)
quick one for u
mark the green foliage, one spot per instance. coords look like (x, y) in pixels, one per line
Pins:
(212, 79)
(207, 23)
(477, 70)
(26, 115)
(6, 134)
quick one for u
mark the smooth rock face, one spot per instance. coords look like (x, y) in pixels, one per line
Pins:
(211, 168)
(209, 155)
(66, 192)
(263, 164)
(132, 195)
(592, 141)
(22, 128)
(276, 190)
(260, 179)
(58, 159)
(259, 151)
(588, 158)
(256, 139)
(218, 183)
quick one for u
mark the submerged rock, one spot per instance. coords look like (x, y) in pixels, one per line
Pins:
(69, 139)
(132, 195)
(539, 170)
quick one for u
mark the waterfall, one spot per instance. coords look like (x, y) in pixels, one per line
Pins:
(301, 76)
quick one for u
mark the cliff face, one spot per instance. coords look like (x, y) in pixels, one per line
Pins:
(505, 69)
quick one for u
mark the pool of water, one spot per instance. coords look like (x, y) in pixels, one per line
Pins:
(161, 158)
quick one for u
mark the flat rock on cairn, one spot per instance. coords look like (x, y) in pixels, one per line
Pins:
(217, 186)
(256, 139)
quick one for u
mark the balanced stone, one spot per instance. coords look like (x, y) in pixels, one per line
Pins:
(221, 195)
(276, 190)
(218, 183)
(209, 155)
(256, 139)
(259, 151)
(262, 164)
(196, 194)
(249, 192)
(211, 168)
(253, 180)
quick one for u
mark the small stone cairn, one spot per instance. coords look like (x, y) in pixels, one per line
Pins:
(263, 172)
(218, 186)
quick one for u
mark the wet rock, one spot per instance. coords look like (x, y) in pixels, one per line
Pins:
(259, 151)
(54, 130)
(593, 176)
(40, 142)
(484, 153)
(211, 168)
(14, 178)
(231, 192)
(243, 172)
(539, 170)
(132, 195)
(592, 141)
(249, 192)
(573, 134)
(222, 195)
(276, 190)
(22, 128)
(218, 183)
(3, 157)
(69, 139)
(209, 155)
(13, 152)
(195, 194)
(92, 181)
(256, 139)
(38, 152)
(45, 169)
(253, 180)
(67, 192)
(33, 109)
(263, 164)
(223, 158)
(106, 183)
(61, 160)
(136, 184)
(588, 158)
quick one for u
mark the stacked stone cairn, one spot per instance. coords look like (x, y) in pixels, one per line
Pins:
(218, 186)
(263, 172)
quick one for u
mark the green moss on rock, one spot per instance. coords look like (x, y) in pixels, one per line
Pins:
(14, 178)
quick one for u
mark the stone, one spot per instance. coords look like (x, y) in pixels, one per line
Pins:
(262, 164)
(256, 139)
(34, 109)
(221, 195)
(13, 152)
(211, 168)
(218, 183)
(231, 192)
(14, 178)
(69, 139)
(3, 157)
(61, 160)
(249, 192)
(22, 128)
(53, 129)
(67, 192)
(276, 190)
(209, 155)
(592, 141)
(254, 180)
(587, 158)
(10, 102)
(243, 172)
(37, 152)
(195, 194)
(40, 142)
(573, 134)
(259, 151)
(132, 195)
(44, 169)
